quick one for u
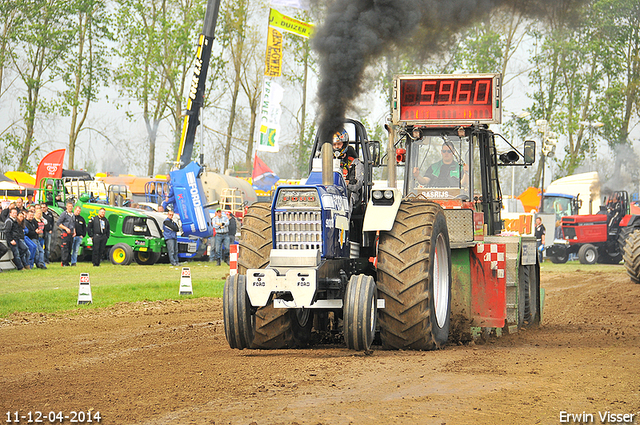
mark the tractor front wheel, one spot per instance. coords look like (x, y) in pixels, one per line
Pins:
(588, 254)
(121, 254)
(360, 312)
(414, 278)
(559, 259)
(239, 323)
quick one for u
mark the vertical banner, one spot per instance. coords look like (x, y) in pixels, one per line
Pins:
(272, 92)
(270, 111)
(273, 66)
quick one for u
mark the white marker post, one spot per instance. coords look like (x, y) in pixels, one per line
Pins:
(84, 289)
(185, 282)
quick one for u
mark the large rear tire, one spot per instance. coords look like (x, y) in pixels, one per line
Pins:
(414, 278)
(239, 323)
(632, 256)
(588, 254)
(274, 327)
(360, 312)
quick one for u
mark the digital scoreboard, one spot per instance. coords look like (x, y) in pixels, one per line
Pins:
(447, 99)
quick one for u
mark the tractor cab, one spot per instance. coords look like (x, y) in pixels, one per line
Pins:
(457, 167)
(615, 206)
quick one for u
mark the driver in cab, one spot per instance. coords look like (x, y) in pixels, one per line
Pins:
(443, 173)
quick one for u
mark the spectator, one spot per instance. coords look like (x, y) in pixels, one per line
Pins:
(48, 194)
(99, 232)
(20, 206)
(221, 226)
(40, 260)
(4, 215)
(47, 219)
(67, 223)
(29, 200)
(15, 239)
(3, 251)
(30, 236)
(540, 234)
(81, 231)
(170, 230)
(233, 226)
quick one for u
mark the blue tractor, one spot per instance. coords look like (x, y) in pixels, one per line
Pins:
(305, 255)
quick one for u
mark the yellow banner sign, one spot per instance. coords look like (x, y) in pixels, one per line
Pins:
(274, 53)
(287, 24)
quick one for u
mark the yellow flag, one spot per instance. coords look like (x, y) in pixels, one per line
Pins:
(287, 24)
(273, 66)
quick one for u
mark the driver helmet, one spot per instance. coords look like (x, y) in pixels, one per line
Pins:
(340, 137)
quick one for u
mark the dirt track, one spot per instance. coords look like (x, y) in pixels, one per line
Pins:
(168, 362)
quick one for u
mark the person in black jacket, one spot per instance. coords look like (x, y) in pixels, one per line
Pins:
(4, 215)
(67, 224)
(81, 231)
(99, 230)
(15, 240)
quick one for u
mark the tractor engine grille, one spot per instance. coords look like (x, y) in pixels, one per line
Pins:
(298, 229)
(569, 232)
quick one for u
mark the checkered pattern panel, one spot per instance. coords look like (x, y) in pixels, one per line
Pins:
(495, 255)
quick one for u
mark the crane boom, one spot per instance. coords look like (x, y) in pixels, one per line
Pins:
(196, 92)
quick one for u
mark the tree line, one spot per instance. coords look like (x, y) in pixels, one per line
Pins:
(58, 59)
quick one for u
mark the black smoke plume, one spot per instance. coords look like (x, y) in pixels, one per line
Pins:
(355, 32)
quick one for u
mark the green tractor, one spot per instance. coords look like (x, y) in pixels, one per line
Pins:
(133, 235)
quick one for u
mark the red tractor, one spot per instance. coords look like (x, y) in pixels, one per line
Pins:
(597, 238)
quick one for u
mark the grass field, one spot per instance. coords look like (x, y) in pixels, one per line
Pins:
(56, 289)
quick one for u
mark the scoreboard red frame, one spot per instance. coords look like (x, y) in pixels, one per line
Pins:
(447, 99)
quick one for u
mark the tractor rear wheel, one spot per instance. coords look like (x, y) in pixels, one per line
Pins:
(274, 327)
(631, 256)
(588, 254)
(414, 278)
(607, 257)
(239, 323)
(146, 258)
(360, 312)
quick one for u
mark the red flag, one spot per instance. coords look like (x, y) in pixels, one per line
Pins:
(50, 166)
(263, 178)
